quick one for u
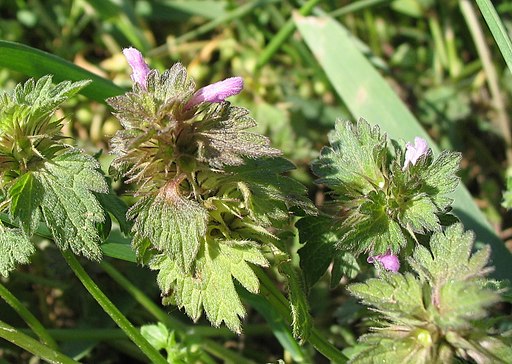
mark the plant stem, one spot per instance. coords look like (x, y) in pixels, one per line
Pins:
(279, 302)
(36, 326)
(283, 34)
(33, 346)
(112, 310)
(210, 346)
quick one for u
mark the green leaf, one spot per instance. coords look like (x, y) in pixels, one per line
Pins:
(36, 63)
(366, 93)
(157, 335)
(386, 350)
(316, 233)
(301, 319)
(268, 195)
(26, 196)
(15, 248)
(172, 224)
(393, 295)
(69, 206)
(117, 207)
(353, 162)
(498, 30)
(223, 140)
(450, 257)
(507, 195)
(211, 285)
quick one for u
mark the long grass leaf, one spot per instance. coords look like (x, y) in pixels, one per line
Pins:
(367, 94)
(36, 63)
(497, 29)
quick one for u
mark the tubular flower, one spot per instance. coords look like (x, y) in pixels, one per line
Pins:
(217, 92)
(388, 260)
(139, 66)
(414, 152)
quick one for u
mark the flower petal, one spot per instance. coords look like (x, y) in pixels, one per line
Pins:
(414, 152)
(217, 92)
(139, 66)
(389, 261)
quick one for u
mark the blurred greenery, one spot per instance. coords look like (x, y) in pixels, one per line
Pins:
(438, 56)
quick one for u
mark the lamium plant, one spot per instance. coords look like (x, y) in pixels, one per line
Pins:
(211, 197)
(384, 200)
(43, 177)
(437, 314)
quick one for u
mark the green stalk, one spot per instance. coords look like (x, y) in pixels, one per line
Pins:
(112, 310)
(33, 346)
(32, 322)
(283, 34)
(497, 29)
(279, 302)
(210, 346)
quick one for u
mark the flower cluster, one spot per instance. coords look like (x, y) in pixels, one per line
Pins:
(208, 188)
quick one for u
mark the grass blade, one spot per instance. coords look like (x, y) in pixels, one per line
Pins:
(497, 29)
(368, 95)
(37, 63)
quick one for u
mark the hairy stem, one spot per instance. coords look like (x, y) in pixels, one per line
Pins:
(32, 322)
(112, 310)
(33, 346)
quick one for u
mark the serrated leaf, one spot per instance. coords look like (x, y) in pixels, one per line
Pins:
(460, 302)
(394, 351)
(69, 206)
(301, 319)
(450, 257)
(269, 195)
(419, 214)
(353, 161)
(371, 229)
(394, 294)
(223, 140)
(211, 285)
(15, 248)
(26, 195)
(172, 224)
(440, 178)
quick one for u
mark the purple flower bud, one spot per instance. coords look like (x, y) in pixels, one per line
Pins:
(139, 67)
(414, 152)
(388, 260)
(217, 92)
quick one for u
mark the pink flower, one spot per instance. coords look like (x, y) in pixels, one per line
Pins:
(414, 152)
(139, 67)
(217, 92)
(388, 260)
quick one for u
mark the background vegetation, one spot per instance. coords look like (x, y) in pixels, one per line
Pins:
(300, 76)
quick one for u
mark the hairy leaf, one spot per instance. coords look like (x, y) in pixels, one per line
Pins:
(352, 164)
(211, 284)
(222, 139)
(15, 248)
(26, 197)
(301, 319)
(173, 225)
(69, 206)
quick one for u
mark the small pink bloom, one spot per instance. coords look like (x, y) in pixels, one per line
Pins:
(388, 260)
(139, 67)
(414, 152)
(217, 92)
